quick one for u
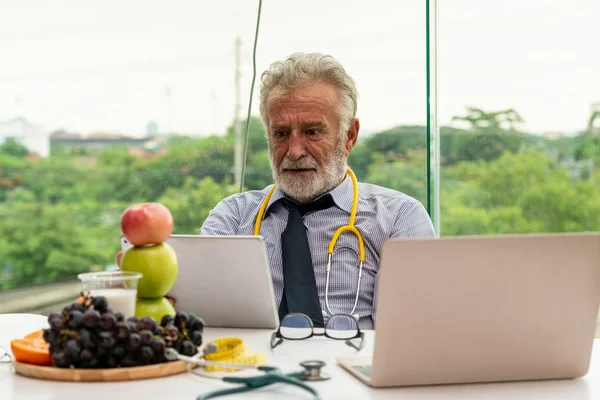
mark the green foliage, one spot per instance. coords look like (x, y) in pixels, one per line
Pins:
(462, 220)
(397, 141)
(257, 140)
(518, 193)
(11, 173)
(191, 203)
(479, 119)
(60, 216)
(489, 144)
(360, 160)
(408, 176)
(587, 147)
(12, 148)
(258, 171)
(44, 243)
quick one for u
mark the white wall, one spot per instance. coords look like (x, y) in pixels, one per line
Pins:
(32, 136)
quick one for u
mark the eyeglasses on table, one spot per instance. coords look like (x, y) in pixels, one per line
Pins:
(4, 356)
(297, 326)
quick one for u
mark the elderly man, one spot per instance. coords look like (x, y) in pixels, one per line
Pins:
(308, 106)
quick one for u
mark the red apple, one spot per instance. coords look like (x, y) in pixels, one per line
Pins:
(119, 256)
(146, 223)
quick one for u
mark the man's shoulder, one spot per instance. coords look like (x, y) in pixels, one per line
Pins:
(247, 198)
(370, 192)
(407, 216)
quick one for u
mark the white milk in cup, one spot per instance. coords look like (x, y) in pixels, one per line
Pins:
(119, 288)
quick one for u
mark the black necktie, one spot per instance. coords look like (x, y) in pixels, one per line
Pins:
(299, 285)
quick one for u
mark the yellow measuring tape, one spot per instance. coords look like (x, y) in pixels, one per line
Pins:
(234, 351)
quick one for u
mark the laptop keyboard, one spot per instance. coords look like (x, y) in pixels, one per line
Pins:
(363, 369)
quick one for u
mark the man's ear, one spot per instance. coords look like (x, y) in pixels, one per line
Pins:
(352, 135)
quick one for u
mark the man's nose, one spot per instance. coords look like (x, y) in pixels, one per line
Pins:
(297, 148)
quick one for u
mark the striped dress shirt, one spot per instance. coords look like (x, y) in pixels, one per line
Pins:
(382, 214)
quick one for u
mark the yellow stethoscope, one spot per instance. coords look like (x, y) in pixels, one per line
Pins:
(350, 227)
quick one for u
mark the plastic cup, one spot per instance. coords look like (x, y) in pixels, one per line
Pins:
(119, 288)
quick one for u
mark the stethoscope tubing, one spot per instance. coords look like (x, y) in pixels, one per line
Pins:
(331, 249)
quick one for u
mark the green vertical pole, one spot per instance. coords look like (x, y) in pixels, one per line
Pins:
(428, 99)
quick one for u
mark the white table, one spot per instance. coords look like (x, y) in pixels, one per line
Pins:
(287, 356)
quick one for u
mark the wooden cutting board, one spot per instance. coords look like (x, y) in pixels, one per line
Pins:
(100, 375)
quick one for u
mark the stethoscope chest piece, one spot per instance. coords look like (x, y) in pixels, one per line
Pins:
(313, 371)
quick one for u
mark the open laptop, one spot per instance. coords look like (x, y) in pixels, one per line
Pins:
(483, 309)
(225, 280)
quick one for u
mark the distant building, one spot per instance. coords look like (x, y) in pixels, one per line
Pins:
(559, 134)
(152, 128)
(62, 142)
(30, 135)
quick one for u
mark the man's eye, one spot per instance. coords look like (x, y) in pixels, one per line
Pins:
(312, 132)
(279, 133)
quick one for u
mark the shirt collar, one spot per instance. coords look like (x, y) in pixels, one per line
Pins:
(342, 195)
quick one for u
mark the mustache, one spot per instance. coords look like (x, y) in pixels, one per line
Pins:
(303, 163)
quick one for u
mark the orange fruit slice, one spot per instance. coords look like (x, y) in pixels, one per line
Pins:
(36, 335)
(32, 349)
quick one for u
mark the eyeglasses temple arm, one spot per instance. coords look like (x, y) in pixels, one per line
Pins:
(278, 342)
(360, 346)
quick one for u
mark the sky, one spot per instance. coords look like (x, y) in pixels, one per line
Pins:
(113, 66)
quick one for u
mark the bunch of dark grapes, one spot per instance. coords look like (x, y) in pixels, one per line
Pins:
(90, 335)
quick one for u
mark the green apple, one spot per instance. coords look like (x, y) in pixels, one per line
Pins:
(155, 308)
(158, 266)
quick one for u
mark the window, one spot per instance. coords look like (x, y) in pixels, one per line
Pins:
(518, 97)
(103, 106)
(101, 109)
(139, 105)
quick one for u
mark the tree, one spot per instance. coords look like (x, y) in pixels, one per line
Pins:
(486, 145)
(562, 206)
(489, 135)
(512, 175)
(518, 193)
(407, 176)
(586, 146)
(360, 159)
(211, 156)
(13, 148)
(258, 171)
(45, 243)
(56, 180)
(462, 220)
(191, 204)
(60, 216)
(594, 121)
(257, 141)
(396, 142)
(11, 173)
(478, 119)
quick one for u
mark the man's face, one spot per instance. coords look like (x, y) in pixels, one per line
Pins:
(306, 151)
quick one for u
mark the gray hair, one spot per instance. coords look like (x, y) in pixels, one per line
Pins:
(301, 68)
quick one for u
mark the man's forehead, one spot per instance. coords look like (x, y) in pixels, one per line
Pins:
(312, 105)
(315, 92)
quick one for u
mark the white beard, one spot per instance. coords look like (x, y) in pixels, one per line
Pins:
(307, 186)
